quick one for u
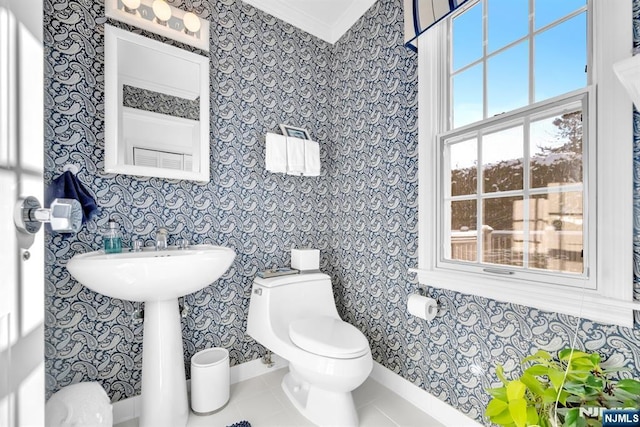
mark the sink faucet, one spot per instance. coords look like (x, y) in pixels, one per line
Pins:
(161, 239)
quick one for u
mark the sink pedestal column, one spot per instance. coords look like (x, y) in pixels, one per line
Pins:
(164, 385)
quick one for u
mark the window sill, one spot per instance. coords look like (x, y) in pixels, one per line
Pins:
(585, 303)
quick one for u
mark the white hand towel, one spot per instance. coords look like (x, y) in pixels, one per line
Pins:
(276, 153)
(295, 156)
(311, 158)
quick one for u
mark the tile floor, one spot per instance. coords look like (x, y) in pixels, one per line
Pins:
(262, 402)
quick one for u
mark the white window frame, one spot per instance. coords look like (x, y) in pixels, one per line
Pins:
(522, 116)
(611, 301)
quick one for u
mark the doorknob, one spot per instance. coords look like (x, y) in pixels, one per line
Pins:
(64, 215)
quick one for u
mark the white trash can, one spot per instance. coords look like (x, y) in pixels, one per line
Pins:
(209, 380)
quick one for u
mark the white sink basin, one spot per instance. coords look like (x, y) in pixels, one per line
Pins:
(158, 278)
(151, 275)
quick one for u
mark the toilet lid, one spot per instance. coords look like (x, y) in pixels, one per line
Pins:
(328, 336)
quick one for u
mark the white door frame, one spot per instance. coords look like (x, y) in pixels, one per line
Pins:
(22, 388)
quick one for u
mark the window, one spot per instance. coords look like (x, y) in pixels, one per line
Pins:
(525, 52)
(513, 168)
(512, 194)
(524, 137)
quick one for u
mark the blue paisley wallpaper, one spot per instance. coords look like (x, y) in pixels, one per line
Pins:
(161, 103)
(358, 99)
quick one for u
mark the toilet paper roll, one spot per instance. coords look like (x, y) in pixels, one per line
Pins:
(423, 307)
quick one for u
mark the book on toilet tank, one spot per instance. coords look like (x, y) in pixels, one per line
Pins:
(280, 271)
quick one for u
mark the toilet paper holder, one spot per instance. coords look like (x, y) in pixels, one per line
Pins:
(422, 306)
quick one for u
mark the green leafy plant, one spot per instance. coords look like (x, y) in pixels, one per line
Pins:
(560, 391)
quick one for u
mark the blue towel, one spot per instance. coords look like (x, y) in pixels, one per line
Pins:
(67, 186)
(241, 424)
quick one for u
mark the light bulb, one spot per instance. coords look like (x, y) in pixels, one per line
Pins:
(191, 22)
(130, 6)
(162, 11)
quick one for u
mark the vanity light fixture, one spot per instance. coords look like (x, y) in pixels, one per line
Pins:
(158, 16)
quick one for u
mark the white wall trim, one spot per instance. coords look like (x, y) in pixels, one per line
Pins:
(128, 409)
(420, 398)
(583, 303)
(255, 368)
(349, 17)
(296, 16)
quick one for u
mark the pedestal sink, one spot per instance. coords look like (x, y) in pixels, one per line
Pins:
(157, 278)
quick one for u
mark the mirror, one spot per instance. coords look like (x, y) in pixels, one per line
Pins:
(156, 108)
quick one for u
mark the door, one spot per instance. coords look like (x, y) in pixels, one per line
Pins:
(21, 256)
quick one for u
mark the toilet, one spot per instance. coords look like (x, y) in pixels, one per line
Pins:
(295, 317)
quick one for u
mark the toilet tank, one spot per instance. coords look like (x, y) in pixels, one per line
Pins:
(276, 301)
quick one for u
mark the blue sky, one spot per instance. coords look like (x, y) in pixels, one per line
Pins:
(559, 52)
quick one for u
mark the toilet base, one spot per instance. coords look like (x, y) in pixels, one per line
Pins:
(322, 407)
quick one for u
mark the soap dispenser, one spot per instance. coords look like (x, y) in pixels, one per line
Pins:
(112, 238)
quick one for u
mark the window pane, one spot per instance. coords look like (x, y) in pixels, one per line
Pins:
(508, 21)
(501, 240)
(548, 11)
(535, 221)
(556, 150)
(560, 58)
(463, 164)
(467, 37)
(556, 232)
(508, 80)
(467, 96)
(464, 236)
(502, 154)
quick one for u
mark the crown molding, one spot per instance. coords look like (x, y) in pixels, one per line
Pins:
(349, 17)
(302, 19)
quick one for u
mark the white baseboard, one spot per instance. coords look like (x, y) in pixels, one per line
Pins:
(428, 403)
(125, 410)
(255, 368)
(128, 409)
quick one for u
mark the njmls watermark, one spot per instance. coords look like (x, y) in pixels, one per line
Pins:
(619, 417)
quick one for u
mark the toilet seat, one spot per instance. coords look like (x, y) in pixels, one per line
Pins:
(328, 336)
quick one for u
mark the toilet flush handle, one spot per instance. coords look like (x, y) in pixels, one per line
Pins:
(257, 291)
